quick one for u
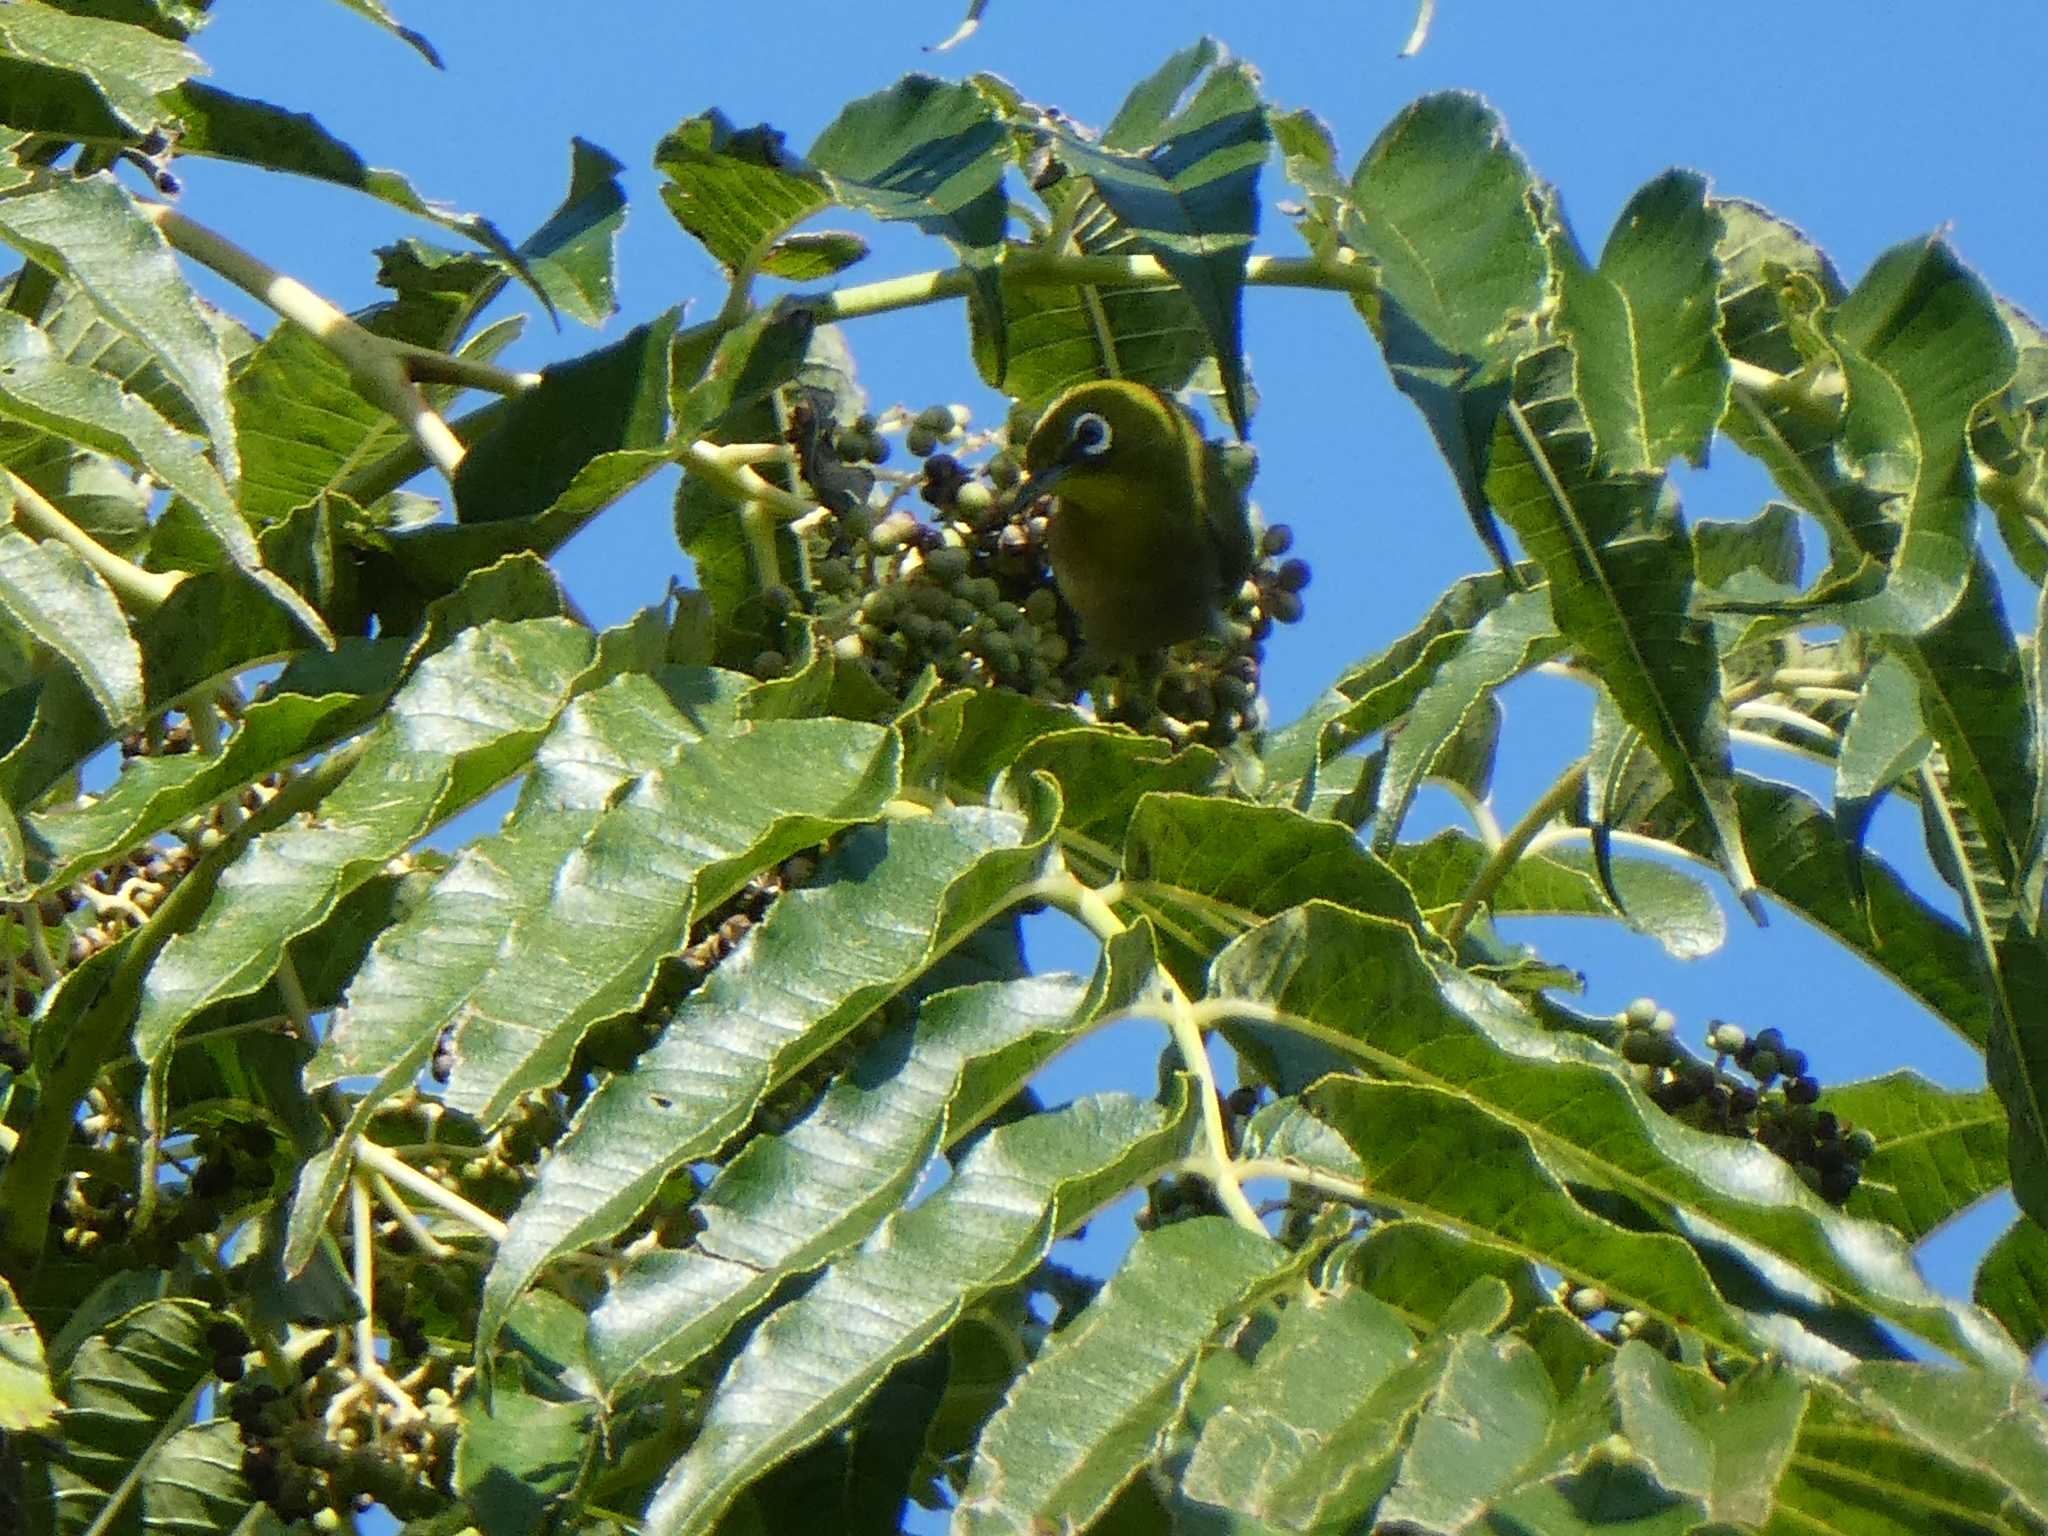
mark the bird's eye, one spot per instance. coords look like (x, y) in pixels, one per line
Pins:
(1089, 436)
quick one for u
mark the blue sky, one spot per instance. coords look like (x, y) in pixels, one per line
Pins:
(1856, 120)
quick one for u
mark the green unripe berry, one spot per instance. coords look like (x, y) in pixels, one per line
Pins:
(973, 498)
(1639, 1013)
(1004, 472)
(1041, 607)
(770, 664)
(1763, 1064)
(1859, 1144)
(934, 418)
(1664, 1022)
(947, 563)
(1792, 1062)
(1276, 540)
(1726, 1039)
(1630, 1323)
(1587, 1300)
(921, 440)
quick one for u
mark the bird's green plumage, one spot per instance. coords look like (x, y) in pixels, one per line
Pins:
(1148, 539)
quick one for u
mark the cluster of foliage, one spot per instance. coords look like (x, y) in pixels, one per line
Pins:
(666, 1159)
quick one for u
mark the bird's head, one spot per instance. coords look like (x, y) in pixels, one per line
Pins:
(1105, 442)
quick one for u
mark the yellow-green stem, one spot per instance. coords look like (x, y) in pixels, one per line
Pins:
(376, 367)
(1087, 907)
(140, 591)
(369, 1155)
(1513, 846)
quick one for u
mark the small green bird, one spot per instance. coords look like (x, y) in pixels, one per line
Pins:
(1148, 536)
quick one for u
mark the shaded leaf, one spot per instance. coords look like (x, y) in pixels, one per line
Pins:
(607, 401)
(1183, 178)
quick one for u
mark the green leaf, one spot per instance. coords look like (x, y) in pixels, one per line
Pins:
(26, 1402)
(1486, 1420)
(787, 1203)
(1280, 1433)
(89, 231)
(1851, 1472)
(677, 842)
(816, 1359)
(1973, 697)
(888, 903)
(1459, 1050)
(195, 1482)
(1182, 176)
(376, 12)
(932, 153)
(1922, 345)
(60, 602)
(736, 190)
(1939, 1151)
(1663, 903)
(2015, 969)
(86, 406)
(1505, 643)
(1204, 869)
(610, 400)
(1373, 692)
(81, 77)
(570, 257)
(1086, 1416)
(1054, 337)
(468, 717)
(1442, 205)
(1621, 590)
(1414, 1145)
(126, 1390)
(751, 361)
(223, 126)
(520, 1451)
(2012, 1283)
(1885, 741)
(1653, 375)
(1991, 1425)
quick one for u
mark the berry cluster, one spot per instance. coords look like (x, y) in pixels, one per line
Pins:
(326, 1445)
(966, 589)
(1774, 1101)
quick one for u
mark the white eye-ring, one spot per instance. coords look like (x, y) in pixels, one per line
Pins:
(1089, 435)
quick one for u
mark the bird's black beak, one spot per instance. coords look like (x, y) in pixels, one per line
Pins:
(1040, 485)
